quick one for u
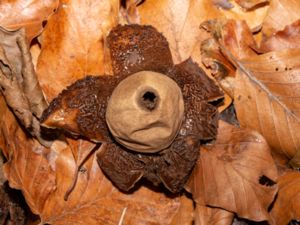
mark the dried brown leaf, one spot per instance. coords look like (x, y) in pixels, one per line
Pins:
(267, 98)
(287, 204)
(27, 168)
(28, 14)
(73, 43)
(95, 200)
(179, 21)
(237, 173)
(284, 39)
(206, 215)
(280, 14)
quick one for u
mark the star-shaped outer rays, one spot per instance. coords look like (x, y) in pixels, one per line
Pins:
(80, 110)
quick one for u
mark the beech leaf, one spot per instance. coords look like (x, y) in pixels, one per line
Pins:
(287, 38)
(74, 44)
(280, 14)
(237, 174)
(29, 14)
(95, 200)
(179, 21)
(26, 167)
(287, 204)
(266, 99)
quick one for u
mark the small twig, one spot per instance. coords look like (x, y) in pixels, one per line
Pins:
(122, 216)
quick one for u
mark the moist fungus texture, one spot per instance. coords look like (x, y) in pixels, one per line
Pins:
(81, 108)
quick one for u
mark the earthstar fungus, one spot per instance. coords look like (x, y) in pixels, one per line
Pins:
(150, 116)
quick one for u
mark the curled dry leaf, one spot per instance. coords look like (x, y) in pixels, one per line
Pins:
(27, 14)
(19, 83)
(288, 38)
(237, 174)
(206, 215)
(73, 43)
(221, 69)
(267, 99)
(287, 204)
(237, 37)
(280, 14)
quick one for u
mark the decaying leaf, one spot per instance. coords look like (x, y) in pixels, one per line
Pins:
(73, 43)
(237, 174)
(287, 204)
(19, 83)
(280, 14)
(206, 215)
(266, 98)
(26, 14)
(285, 39)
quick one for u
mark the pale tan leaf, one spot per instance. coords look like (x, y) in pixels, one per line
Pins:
(280, 14)
(287, 204)
(73, 43)
(206, 215)
(237, 174)
(26, 13)
(267, 98)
